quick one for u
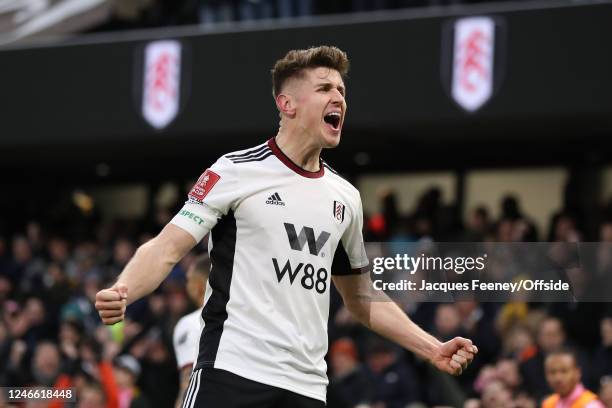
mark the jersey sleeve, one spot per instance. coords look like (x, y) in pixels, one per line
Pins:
(212, 196)
(350, 257)
(182, 340)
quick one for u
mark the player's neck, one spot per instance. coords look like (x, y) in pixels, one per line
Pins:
(299, 150)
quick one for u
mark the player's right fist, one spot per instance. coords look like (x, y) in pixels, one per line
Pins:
(111, 303)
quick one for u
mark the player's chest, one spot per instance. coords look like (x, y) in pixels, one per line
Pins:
(306, 211)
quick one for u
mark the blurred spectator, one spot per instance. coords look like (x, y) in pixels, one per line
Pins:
(605, 391)
(46, 364)
(478, 225)
(122, 253)
(499, 382)
(87, 370)
(5, 259)
(91, 396)
(38, 326)
(563, 375)
(126, 371)
(523, 400)
(496, 395)
(58, 288)
(349, 378)
(35, 237)
(58, 250)
(507, 371)
(605, 231)
(585, 333)
(70, 335)
(81, 306)
(477, 324)
(255, 9)
(394, 383)
(380, 226)
(603, 269)
(26, 270)
(216, 11)
(186, 334)
(523, 229)
(505, 231)
(550, 337)
(158, 380)
(295, 8)
(519, 342)
(602, 359)
(563, 229)
(427, 213)
(447, 322)
(511, 315)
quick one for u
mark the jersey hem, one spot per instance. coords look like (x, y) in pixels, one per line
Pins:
(257, 378)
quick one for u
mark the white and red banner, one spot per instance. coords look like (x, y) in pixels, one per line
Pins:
(473, 62)
(161, 83)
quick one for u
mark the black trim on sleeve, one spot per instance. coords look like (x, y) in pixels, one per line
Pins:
(223, 237)
(341, 264)
(261, 156)
(248, 153)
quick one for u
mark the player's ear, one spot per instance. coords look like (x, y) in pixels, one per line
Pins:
(285, 105)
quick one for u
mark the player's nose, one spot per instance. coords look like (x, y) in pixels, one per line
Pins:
(337, 99)
(337, 96)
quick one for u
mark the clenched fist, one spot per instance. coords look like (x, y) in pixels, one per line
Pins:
(454, 356)
(111, 303)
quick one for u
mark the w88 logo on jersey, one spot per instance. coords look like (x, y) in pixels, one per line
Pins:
(311, 277)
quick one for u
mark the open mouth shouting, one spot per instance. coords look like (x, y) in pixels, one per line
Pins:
(333, 120)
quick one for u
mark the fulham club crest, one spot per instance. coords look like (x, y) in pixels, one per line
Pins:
(472, 60)
(339, 211)
(161, 82)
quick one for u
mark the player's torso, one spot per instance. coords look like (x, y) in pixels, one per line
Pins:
(287, 230)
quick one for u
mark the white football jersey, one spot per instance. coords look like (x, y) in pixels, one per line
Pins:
(186, 337)
(276, 230)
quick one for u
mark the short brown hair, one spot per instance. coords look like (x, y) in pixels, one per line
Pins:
(296, 61)
(565, 351)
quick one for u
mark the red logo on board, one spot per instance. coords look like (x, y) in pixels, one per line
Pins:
(205, 183)
(474, 66)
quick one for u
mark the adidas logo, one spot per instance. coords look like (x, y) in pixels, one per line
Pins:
(275, 200)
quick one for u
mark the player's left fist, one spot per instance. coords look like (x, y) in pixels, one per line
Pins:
(454, 356)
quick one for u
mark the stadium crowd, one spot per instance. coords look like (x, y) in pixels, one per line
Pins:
(138, 14)
(50, 333)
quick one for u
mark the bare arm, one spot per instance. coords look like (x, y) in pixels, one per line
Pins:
(154, 260)
(147, 269)
(185, 373)
(376, 311)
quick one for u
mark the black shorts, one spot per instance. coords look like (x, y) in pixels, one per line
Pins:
(215, 388)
